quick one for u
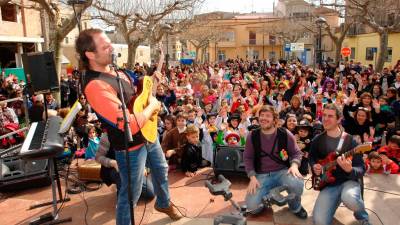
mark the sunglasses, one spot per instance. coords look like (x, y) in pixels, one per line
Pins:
(363, 108)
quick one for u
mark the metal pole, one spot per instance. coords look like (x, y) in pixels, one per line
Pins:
(263, 45)
(215, 52)
(320, 46)
(167, 59)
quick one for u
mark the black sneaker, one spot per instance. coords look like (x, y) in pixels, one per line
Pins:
(302, 214)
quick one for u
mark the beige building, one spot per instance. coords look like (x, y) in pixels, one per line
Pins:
(20, 32)
(264, 35)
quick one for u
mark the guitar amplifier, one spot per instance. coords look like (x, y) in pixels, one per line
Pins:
(229, 160)
(89, 170)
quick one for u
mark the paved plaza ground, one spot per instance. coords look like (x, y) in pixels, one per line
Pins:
(194, 197)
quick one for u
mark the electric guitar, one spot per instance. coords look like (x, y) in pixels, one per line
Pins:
(329, 165)
(149, 130)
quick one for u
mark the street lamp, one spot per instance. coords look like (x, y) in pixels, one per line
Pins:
(320, 21)
(79, 3)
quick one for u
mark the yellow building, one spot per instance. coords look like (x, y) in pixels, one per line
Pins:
(263, 35)
(243, 36)
(365, 48)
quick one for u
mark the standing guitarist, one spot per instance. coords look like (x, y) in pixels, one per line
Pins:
(345, 187)
(101, 90)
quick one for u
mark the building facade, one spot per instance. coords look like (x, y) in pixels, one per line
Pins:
(20, 32)
(264, 35)
(365, 48)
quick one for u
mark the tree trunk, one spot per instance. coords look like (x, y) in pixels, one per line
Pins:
(197, 55)
(383, 45)
(45, 31)
(338, 54)
(131, 55)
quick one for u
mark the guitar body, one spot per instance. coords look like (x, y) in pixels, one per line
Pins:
(326, 177)
(329, 165)
(149, 130)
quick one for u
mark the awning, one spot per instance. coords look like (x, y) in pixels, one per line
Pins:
(64, 60)
(19, 39)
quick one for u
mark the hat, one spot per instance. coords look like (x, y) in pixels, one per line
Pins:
(232, 134)
(234, 116)
(383, 151)
(304, 123)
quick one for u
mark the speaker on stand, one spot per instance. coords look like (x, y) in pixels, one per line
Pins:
(40, 72)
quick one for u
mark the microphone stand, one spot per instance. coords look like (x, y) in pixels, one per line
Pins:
(127, 139)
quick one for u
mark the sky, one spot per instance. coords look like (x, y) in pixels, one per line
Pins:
(242, 6)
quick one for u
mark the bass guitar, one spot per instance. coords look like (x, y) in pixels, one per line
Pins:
(329, 165)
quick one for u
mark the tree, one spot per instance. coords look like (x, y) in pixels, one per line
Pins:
(140, 20)
(3, 2)
(58, 25)
(202, 32)
(383, 16)
(338, 37)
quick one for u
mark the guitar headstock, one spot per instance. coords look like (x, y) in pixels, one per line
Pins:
(147, 83)
(362, 148)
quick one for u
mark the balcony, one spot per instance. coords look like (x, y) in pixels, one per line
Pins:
(226, 44)
(257, 42)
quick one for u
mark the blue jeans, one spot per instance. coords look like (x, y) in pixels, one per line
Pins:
(272, 180)
(330, 198)
(159, 174)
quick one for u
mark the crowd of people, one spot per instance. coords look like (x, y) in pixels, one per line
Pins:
(203, 106)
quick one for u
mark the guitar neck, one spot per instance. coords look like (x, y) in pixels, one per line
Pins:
(334, 162)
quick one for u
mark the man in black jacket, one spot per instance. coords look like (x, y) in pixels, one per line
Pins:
(346, 187)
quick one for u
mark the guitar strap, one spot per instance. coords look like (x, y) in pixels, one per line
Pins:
(340, 144)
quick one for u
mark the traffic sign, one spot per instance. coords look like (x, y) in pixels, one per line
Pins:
(346, 51)
(287, 47)
(296, 47)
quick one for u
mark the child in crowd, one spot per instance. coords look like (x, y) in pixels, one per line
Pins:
(389, 166)
(303, 136)
(93, 143)
(209, 129)
(374, 163)
(392, 148)
(191, 156)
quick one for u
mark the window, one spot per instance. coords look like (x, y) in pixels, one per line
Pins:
(228, 36)
(221, 55)
(353, 53)
(252, 37)
(369, 55)
(140, 53)
(256, 54)
(66, 40)
(389, 54)
(85, 25)
(272, 55)
(9, 13)
(272, 40)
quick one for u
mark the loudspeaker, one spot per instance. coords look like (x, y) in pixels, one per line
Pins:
(22, 174)
(40, 71)
(229, 159)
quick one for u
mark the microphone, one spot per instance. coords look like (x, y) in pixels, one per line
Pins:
(114, 57)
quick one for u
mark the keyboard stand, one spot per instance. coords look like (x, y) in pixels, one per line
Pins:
(60, 195)
(51, 218)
